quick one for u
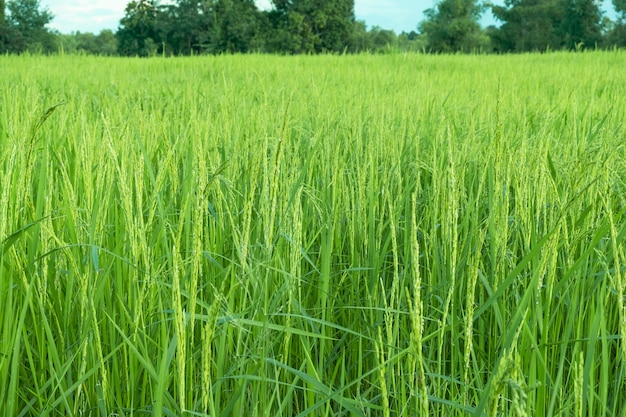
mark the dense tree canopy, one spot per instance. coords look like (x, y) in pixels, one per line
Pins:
(311, 26)
(453, 26)
(617, 35)
(104, 43)
(184, 27)
(538, 25)
(137, 32)
(581, 26)
(528, 25)
(237, 26)
(24, 28)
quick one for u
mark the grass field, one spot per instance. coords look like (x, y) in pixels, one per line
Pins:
(398, 235)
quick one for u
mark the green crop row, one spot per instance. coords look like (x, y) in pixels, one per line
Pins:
(396, 235)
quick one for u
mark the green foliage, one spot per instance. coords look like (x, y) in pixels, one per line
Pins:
(137, 34)
(311, 26)
(378, 40)
(616, 37)
(361, 40)
(192, 27)
(28, 16)
(382, 39)
(538, 25)
(184, 27)
(528, 25)
(238, 27)
(581, 25)
(24, 29)
(11, 40)
(616, 33)
(620, 7)
(453, 26)
(411, 42)
(198, 238)
(105, 43)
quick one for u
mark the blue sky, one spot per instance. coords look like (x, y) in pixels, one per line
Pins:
(95, 15)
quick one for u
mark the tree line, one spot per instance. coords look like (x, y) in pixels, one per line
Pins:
(188, 27)
(526, 25)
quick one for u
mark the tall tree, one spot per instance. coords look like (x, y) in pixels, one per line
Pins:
(528, 25)
(137, 33)
(4, 29)
(582, 24)
(453, 26)
(335, 28)
(185, 26)
(311, 26)
(617, 35)
(27, 23)
(213, 26)
(237, 26)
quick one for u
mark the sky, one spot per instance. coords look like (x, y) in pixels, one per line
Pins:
(95, 15)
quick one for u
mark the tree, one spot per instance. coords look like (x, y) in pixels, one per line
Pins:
(288, 33)
(25, 28)
(361, 40)
(11, 40)
(67, 43)
(237, 26)
(311, 26)
(529, 25)
(334, 28)
(582, 24)
(616, 35)
(4, 29)
(184, 27)
(137, 34)
(411, 42)
(213, 26)
(85, 43)
(453, 26)
(106, 43)
(382, 40)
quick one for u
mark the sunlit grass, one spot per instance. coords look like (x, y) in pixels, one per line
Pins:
(367, 235)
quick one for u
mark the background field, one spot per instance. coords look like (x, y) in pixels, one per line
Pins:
(360, 235)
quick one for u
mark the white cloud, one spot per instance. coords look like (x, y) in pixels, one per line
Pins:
(85, 16)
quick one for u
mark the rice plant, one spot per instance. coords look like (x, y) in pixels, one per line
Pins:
(396, 235)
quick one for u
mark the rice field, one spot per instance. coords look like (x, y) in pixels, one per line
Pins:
(398, 235)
